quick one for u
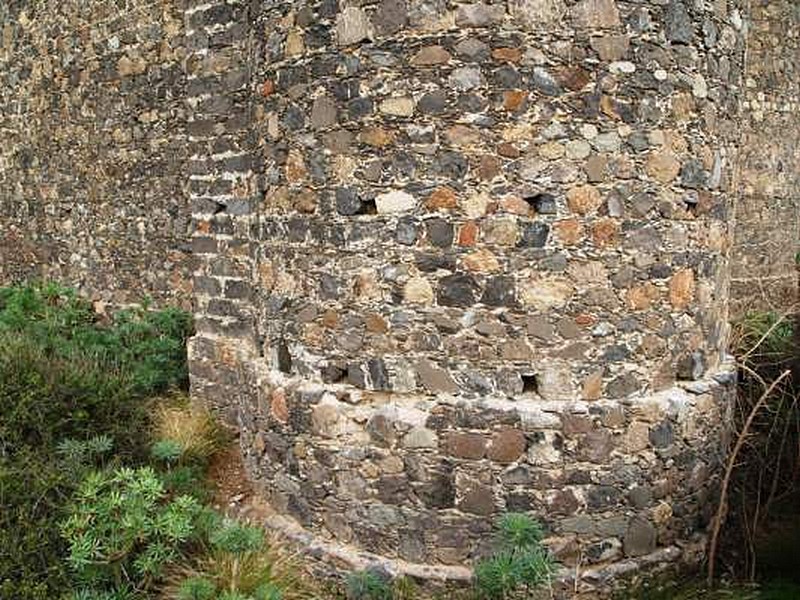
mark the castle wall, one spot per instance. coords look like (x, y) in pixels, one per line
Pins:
(447, 259)
(479, 263)
(767, 230)
(92, 159)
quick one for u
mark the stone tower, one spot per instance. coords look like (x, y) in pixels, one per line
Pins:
(486, 268)
(449, 259)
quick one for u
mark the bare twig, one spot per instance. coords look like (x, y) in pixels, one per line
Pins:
(740, 440)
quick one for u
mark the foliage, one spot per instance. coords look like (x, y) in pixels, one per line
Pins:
(167, 451)
(518, 530)
(123, 529)
(368, 584)
(71, 399)
(519, 562)
(764, 335)
(197, 588)
(755, 536)
(241, 563)
(148, 345)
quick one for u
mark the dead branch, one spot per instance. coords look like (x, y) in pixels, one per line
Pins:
(740, 440)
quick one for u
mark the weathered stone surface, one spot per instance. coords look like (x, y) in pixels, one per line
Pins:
(663, 167)
(417, 219)
(435, 379)
(507, 445)
(533, 14)
(466, 445)
(395, 202)
(597, 14)
(431, 55)
(352, 26)
(682, 288)
(584, 199)
(640, 539)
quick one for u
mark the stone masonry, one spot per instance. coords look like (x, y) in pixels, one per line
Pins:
(93, 146)
(448, 259)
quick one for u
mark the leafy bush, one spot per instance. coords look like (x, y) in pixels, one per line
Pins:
(519, 564)
(240, 563)
(70, 387)
(123, 530)
(149, 346)
(369, 584)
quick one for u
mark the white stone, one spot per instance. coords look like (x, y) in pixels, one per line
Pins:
(395, 202)
(398, 107)
(466, 78)
(622, 66)
(554, 131)
(699, 86)
(588, 131)
(660, 74)
(420, 437)
(578, 149)
(607, 142)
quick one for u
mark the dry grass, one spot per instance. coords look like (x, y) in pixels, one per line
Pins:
(191, 426)
(273, 564)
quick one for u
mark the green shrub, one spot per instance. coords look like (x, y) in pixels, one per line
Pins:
(519, 564)
(368, 584)
(122, 529)
(197, 588)
(70, 387)
(239, 562)
(149, 346)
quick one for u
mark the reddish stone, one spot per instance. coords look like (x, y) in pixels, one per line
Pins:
(441, 198)
(605, 232)
(375, 323)
(267, 88)
(468, 234)
(574, 78)
(681, 288)
(642, 297)
(478, 499)
(376, 136)
(330, 319)
(513, 55)
(514, 99)
(466, 445)
(488, 167)
(507, 445)
(508, 150)
(277, 407)
(569, 231)
(515, 205)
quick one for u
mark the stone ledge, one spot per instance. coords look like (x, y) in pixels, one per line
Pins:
(343, 558)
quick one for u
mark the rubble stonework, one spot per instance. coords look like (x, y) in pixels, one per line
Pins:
(453, 259)
(92, 159)
(764, 257)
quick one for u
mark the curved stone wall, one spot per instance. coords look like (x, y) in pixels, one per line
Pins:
(488, 254)
(451, 259)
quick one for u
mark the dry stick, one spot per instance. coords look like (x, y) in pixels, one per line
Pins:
(773, 491)
(766, 334)
(721, 509)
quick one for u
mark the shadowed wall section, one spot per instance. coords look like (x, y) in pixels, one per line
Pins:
(767, 231)
(92, 174)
